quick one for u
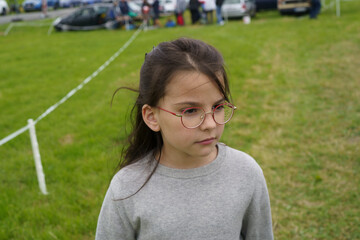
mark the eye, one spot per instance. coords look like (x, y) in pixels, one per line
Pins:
(190, 111)
(219, 107)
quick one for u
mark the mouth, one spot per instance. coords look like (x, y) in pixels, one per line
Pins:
(207, 141)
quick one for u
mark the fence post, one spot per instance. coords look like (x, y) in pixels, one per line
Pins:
(36, 153)
(338, 8)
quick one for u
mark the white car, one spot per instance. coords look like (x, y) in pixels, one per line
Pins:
(4, 7)
(168, 6)
(238, 8)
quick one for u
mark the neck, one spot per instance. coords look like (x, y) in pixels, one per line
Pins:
(186, 161)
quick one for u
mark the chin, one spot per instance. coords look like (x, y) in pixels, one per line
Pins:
(207, 150)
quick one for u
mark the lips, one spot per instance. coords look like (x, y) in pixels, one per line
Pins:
(207, 141)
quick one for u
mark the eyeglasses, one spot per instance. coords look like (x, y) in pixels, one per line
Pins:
(194, 116)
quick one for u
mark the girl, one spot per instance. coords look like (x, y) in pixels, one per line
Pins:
(177, 181)
(145, 11)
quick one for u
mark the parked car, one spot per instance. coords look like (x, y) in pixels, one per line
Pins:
(90, 17)
(69, 3)
(84, 18)
(89, 2)
(167, 6)
(266, 4)
(35, 5)
(238, 8)
(4, 7)
(294, 7)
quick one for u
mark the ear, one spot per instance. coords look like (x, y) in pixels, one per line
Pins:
(149, 116)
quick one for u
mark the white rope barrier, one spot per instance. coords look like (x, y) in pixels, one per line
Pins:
(51, 27)
(12, 25)
(13, 135)
(73, 91)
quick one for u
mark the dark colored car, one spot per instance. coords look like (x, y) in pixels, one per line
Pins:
(84, 18)
(266, 4)
(297, 7)
(95, 16)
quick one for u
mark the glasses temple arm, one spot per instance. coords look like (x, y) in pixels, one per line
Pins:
(177, 115)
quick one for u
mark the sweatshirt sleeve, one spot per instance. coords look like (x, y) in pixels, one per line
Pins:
(257, 224)
(113, 222)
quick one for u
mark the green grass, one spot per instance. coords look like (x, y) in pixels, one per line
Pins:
(295, 82)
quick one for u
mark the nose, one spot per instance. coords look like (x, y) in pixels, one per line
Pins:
(208, 122)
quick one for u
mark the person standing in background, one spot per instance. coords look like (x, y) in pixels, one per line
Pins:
(124, 9)
(194, 10)
(145, 11)
(315, 8)
(113, 16)
(219, 18)
(156, 13)
(179, 12)
(209, 7)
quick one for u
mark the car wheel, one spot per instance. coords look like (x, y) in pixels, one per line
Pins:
(3, 12)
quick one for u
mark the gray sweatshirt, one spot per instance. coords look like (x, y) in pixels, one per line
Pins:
(226, 199)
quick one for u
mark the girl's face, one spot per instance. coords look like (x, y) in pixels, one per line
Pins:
(188, 148)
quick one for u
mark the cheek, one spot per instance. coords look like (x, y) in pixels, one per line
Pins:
(171, 126)
(179, 133)
(220, 131)
(175, 132)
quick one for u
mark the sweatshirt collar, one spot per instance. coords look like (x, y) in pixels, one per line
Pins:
(195, 172)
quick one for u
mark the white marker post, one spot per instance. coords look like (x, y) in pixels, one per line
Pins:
(36, 152)
(338, 8)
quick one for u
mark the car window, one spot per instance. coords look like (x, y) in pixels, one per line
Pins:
(87, 12)
(232, 1)
(101, 10)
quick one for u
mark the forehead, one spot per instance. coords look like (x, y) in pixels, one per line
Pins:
(191, 86)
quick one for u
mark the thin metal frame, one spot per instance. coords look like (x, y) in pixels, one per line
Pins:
(204, 116)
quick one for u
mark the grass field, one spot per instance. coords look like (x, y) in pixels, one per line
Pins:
(295, 82)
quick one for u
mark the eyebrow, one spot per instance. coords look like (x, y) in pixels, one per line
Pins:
(196, 103)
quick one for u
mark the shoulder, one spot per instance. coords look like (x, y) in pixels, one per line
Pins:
(241, 162)
(130, 178)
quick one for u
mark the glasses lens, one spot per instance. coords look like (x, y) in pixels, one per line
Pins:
(192, 117)
(223, 113)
